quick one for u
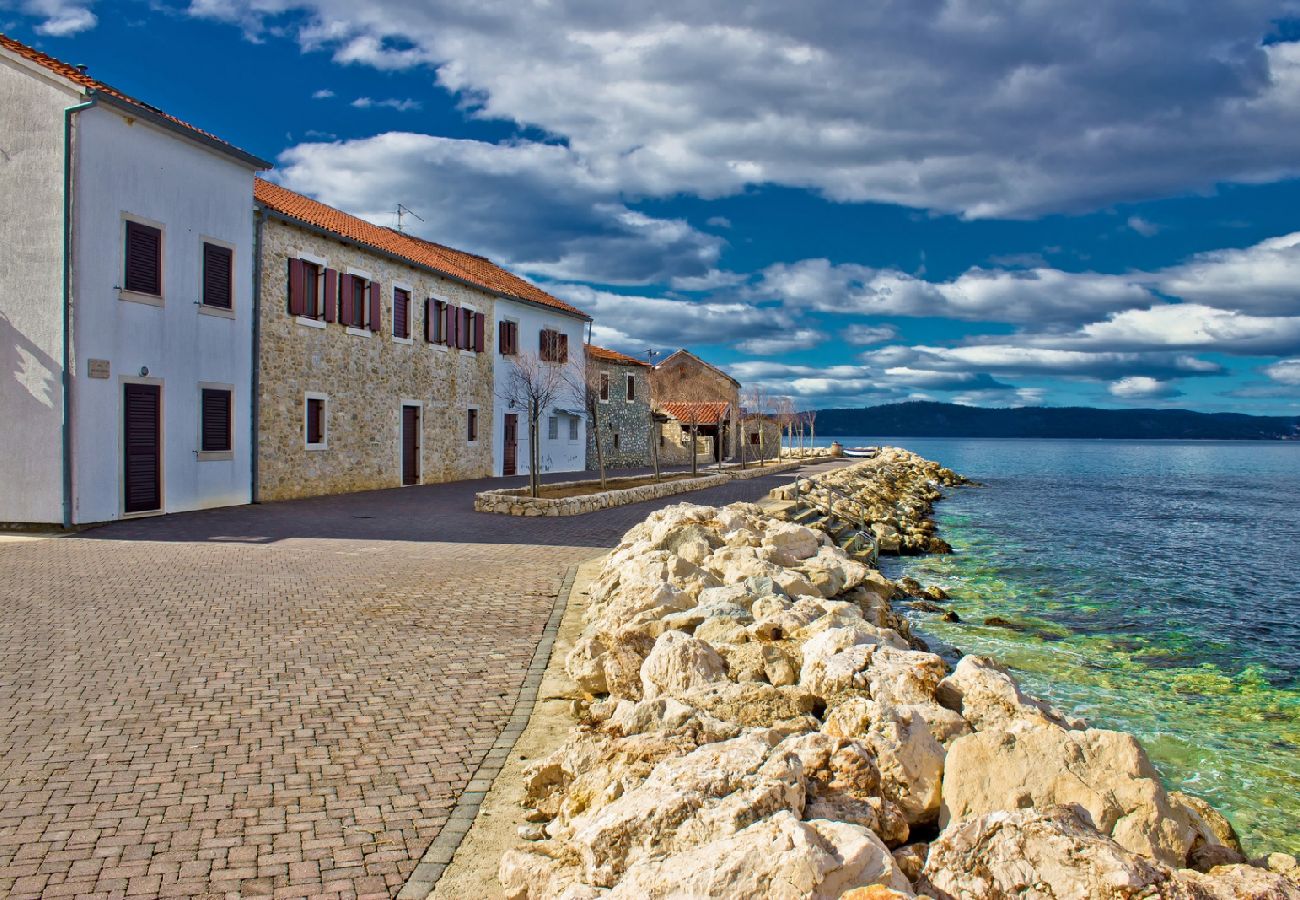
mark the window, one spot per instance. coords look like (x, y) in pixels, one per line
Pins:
(471, 424)
(314, 425)
(753, 438)
(553, 428)
(401, 313)
(616, 440)
(214, 424)
(508, 338)
(218, 281)
(553, 346)
(604, 386)
(353, 301)
(435, 321)
(313, 290)
(143, 259)
(573, 428)
(631, 388)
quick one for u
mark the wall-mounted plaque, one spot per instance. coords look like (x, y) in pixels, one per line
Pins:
(97, 368)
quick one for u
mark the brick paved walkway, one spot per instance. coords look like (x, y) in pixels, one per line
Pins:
(276, 700)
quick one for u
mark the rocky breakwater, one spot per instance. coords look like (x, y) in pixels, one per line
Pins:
(760, 723)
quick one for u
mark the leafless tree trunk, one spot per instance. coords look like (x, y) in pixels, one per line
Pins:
(585, 386)
(534, 386)
(811, 416)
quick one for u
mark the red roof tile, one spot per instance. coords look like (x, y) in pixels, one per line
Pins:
(707, 413)
(458, 264)
(613, 356)
(81, 79)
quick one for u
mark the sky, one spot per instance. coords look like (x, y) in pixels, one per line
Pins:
(996, 203)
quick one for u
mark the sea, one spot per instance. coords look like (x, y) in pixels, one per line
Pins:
(1151, 587)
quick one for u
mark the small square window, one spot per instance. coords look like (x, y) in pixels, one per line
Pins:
(471, 424)
(214, 427)
(143, 259)
(218, 276)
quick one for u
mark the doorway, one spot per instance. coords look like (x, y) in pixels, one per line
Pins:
(141, 448)
(510, 461)
(410, 445)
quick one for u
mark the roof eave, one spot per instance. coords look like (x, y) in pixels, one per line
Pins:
(398, 258)
(143, 112)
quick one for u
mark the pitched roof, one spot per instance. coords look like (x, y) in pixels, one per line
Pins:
(690, 355)
(95, 87)
(705, 413)
(613, 356)
(456, 264)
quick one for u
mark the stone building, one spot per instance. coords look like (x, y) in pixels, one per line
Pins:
(678, 420)
(699, 389)
(760, 436)
(621, 384)
(376, 352)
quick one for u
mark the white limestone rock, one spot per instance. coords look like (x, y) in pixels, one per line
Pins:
(679, 663)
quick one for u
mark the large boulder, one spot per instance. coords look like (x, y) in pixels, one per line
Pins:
(1215, 841)
(788, 544)
(1107, 773)
(986, 695)
(679, 663)
(843, 784)
(1233, 882)
(779, 858)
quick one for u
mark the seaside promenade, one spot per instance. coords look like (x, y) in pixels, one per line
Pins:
(276, 700)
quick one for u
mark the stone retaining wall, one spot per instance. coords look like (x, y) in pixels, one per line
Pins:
(516, 502)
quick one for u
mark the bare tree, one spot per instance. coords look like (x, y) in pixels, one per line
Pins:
(534, 385)
(785, 422)
(652, 398)
(811, 416)
(754, 413)
(584, 384)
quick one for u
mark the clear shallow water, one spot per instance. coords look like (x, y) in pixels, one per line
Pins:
(1155, 587)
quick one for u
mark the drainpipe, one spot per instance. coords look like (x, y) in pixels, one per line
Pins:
(68, 113)
(257, 346)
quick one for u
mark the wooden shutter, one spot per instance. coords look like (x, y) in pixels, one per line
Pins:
(143, 259)
(217, 277)
(478, 332)
(545, 345)
(297, 296)
(401, 313)
(453, 325)
(429, 310)
(331, 293)
(376, 307)
(142, 447)
(347, 299)
(215, 425)
(563, 347)
(503, 332)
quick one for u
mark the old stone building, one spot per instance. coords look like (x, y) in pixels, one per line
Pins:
(621, 385)
(376, 353)
(683, 425)
(698, 391)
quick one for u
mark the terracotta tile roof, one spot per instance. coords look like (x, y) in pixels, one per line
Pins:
(81, 79)
(707, 413)
(458, 264)
(613, 356)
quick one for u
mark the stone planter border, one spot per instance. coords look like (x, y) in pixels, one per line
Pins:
(516, 502)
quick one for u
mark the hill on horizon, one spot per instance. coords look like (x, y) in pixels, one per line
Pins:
(923, 418)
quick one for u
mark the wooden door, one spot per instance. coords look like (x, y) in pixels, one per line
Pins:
(510, 462)
(142, 448)
(410, 445)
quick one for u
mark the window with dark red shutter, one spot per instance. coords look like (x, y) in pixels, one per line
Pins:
(547, 345)
(562, 350)
(214, 426)
(401, 313)
(143, 258)
(330, 294)
(479, 328)
(297, 302)
(315, 423)
(465, 329)
(376, 307)
(453, 323)
(509, 338)
(218, 277)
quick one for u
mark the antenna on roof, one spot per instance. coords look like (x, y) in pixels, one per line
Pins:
(403, 209)
(650, 356)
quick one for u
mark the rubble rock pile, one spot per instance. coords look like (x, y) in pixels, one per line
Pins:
(760, 723)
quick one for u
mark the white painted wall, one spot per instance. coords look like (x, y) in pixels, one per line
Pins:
(128, 167)
(31, 263)
(562, 454)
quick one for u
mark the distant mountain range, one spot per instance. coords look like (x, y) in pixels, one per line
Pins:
(926, 419)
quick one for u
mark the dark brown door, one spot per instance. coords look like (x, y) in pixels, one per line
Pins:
(510, 462)
(142, 448)
(410, 444)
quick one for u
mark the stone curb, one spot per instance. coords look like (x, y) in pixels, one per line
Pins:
(422, 880)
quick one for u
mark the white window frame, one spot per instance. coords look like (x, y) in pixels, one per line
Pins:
(137, 296)
(217, 311)
(216, 455)
(500, 321)
(322, 263)
(364, 331)
(478, 425)
(325, 420)
(629, 387)
(473, 310)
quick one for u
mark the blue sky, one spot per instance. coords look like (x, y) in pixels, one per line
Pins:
(849, 203)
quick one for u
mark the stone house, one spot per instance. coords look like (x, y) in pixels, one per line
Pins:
(698, 389)
(126, 302)
(677, 420)
(622, 387)
(760, 436)
(377, 352)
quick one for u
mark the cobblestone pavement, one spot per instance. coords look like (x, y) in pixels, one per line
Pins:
(281, 700)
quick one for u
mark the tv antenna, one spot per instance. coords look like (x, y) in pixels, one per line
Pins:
(403, 209)
(650, 356)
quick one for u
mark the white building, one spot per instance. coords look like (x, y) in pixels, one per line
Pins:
(126, 303)
(554, 333)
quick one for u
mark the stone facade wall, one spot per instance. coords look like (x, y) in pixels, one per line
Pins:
(675, 445)
(767, 445)
(682, 377)
(617, 416)
(366, 378)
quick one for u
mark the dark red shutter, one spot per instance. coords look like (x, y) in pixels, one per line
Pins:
(347, 299)
(217, 276)
(479, 327)
(453, 325)
(143, 259)
(503, 338)
(376, 307)
(331, 293)
(215, 430)
(401, 313)
(297, 299)
(544, 345)
(563, 354)
(428, 319)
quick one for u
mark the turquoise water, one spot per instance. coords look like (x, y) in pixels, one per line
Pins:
(1154, 588)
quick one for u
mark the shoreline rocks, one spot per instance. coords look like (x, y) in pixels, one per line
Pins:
(761, 722)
